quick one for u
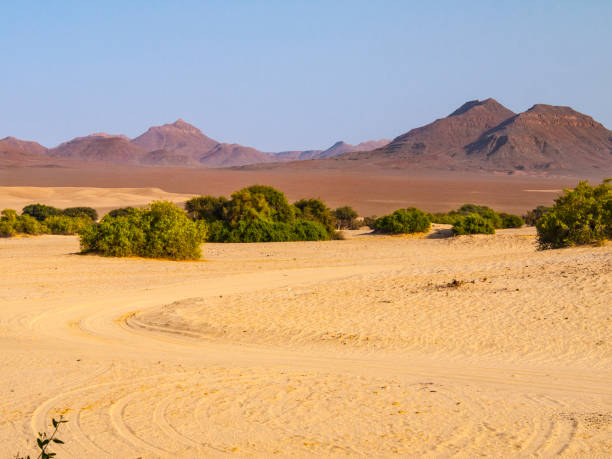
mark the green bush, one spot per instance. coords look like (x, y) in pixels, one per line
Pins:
(281, 210)
(261, 214)
(29, 225)
(532, 216)
(122, 211)
(120, 236)
(7, 229)
(162, 230)
(445, 218)
(345, 217)
(207, 208)
(473, 224)
(88, 212)
(40, 211)
(12, 224)
(403, 221)
(511, 221)
(62, 224)
(484, 211)
(580, 216)
(369, 221)
(315, 210)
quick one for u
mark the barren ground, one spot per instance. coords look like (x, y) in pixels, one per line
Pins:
(357, 347)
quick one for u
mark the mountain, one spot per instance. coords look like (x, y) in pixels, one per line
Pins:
(16, 145)
(100, 147)
(20, 152)
(295, 155)
(336, 149)
(484, 135)
(545, 137)
(341, 147)
(179, 138)
(181, 143)
(445, 138)
(227, 155)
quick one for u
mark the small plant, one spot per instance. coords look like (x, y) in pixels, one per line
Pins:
(345, 217)
(63, 224)
(44, 441)
(403, 221)
(40, 211)
(473, 224)
(532, 217)
(88, 212)
(511, 221)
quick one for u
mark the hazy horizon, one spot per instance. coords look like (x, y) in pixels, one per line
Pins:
(293, 76)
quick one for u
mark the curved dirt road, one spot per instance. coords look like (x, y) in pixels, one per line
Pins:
(357, 347)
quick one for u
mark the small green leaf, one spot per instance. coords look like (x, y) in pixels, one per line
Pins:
(40, 443)
(57, 440)
(54, 423)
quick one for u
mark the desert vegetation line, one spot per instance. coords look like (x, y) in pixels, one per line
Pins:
(260, 213)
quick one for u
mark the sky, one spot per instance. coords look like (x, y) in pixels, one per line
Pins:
(292, 75)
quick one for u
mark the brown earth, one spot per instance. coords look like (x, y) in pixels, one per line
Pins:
(371, 193)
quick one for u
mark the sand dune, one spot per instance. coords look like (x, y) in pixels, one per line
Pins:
(16, 197)
(356, 347)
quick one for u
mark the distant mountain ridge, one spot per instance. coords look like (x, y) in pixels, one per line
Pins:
(479, 135)
(485, 135)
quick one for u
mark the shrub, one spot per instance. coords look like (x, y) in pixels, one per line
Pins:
(511, 221)
(122, 211)
(580, 216)
(532, 216)
(473, 224)
(261, 214)
(29, 225)
(88, 212)
(40, 211)
(7, 229)
(62, 224)
(315, 210)
(345, 217)
(207, 208)
(447, 219)
(120, 236)
(369, 221)
(281, 210)
(483, 211)
(8, 215)
(171, 234)
(162, 230)
(247, 207)
(409, 220)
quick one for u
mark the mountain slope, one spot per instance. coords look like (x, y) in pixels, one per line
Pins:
(444, 139)
(179, 138)
(16, 145)
(100, 147)
(227, 155)
(545, 137)
(341, 147)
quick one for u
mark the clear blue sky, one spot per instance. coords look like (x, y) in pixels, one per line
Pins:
(281, 75)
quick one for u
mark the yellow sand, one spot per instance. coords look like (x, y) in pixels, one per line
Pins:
(362, 347)
(17, 197)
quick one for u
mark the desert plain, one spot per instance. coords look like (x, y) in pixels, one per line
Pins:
(370, 346)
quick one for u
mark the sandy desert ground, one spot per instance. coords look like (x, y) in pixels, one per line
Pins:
(362, 347)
